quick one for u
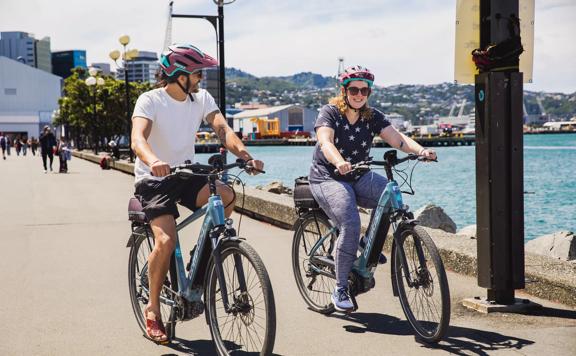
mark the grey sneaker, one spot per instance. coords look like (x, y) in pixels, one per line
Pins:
(341, 300)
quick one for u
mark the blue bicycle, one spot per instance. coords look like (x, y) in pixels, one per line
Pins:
(418, 275)
(225, 276)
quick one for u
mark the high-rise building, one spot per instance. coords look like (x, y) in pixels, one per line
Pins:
(64, 61)
(141, 69)
(43, 54)
(23, 47)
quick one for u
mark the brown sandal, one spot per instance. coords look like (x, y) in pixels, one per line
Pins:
(155, 331)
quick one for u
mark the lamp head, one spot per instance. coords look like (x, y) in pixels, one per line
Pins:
(114, 55)
(124, 40)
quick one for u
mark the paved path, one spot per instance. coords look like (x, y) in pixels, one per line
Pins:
(63, 268)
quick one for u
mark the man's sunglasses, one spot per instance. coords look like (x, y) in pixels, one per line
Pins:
(355, 90)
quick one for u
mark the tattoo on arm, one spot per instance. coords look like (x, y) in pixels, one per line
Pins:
(221, 132)
(401, 144)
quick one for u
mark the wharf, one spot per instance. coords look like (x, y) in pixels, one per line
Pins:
(432, 141)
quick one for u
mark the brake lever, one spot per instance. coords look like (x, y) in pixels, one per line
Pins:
(249, 168)
(423, 159)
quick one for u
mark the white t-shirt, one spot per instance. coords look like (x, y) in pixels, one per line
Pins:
(174, 126)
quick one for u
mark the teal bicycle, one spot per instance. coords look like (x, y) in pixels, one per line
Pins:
(418, 275)
(224, 277)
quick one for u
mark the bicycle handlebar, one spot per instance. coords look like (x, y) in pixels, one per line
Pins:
(390, 161)
(213, 169)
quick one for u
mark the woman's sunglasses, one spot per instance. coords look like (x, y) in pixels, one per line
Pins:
(355, 90)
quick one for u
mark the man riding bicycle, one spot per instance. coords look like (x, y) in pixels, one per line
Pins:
(164, 126)
(345, 129)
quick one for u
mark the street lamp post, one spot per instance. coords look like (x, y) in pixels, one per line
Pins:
(94, 82)
(218, 24)
(126, 56)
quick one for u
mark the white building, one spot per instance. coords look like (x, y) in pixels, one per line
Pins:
(291, 117)
(396, 120)
(28, 97)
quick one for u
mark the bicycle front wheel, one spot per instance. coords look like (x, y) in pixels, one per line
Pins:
(249, 325)
(422, 284)
(142, 246)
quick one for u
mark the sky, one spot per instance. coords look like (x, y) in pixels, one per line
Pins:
(401, 41)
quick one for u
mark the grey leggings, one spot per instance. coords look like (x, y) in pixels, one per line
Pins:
(340, 201)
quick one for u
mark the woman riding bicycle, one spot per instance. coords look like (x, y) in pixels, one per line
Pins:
(345, 129)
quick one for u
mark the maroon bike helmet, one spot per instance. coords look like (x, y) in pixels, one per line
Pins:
(184, 58)
(356, 73)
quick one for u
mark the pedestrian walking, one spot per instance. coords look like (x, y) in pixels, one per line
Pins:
(24, 146)
(18, 145)
(3, 144)
(8, 144)
(33, 145)
(47, 146)
(64, 154)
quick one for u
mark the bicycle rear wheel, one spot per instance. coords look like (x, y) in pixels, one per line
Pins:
(249, 327)
(142, 246)
(426, 303)
(314, 286)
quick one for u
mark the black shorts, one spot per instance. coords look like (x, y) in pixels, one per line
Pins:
(159, 197)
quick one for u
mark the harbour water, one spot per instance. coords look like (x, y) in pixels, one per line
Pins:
(549, 180)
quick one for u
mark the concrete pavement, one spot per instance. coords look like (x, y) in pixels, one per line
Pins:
(63, 268)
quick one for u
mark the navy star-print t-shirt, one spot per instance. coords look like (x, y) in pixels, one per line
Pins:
(353, 142)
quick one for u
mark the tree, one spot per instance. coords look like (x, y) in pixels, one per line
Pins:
(77, 107)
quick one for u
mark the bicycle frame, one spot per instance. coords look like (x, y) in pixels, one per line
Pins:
(389, 203)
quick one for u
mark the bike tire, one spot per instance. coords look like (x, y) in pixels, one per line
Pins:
(430, 331)
(138, 283)
(259, 299)
(306, 235)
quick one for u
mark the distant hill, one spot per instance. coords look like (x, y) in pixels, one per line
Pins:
(417, 103)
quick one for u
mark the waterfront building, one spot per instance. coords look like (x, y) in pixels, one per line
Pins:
(28, 98)
(397, 121)
(291, 119)
(142, 68)
(23, 47)
(64, 61)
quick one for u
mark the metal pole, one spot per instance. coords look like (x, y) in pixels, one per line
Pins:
(499, 163)
(128, 121)
(94, 121)
(222, 62)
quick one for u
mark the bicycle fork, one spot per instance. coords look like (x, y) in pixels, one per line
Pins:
(216, 253)
(404, 261)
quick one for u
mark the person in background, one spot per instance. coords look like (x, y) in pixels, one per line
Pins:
(3, 144)
(47, 146)
(33, 145)
(24, 143)
(64, 154)
(18, 145)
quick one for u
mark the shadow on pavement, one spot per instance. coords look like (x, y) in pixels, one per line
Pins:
(197, 347)
(193, 347)
(459, 340)
(554, 313)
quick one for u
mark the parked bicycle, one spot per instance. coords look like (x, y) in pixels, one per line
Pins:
(418, 275)
(224, 277)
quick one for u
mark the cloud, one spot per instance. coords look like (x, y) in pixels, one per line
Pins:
(402, 41)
